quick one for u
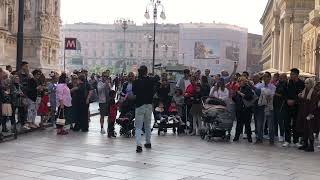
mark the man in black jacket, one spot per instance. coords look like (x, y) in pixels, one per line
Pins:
(143, 89)
(295, 87)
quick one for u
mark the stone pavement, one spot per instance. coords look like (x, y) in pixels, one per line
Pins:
(91, 156)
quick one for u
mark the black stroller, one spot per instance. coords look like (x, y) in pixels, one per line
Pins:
(217, 119)
(126, 119)
(164, 122)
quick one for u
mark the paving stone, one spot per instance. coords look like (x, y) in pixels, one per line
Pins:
(139, 165)
(70, 174)
(86, 163)
(45, 156)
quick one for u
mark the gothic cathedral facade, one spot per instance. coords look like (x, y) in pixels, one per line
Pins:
(41, 33)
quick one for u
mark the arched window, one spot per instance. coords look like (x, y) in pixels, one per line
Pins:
(10, 19)
(46, 6)
(56, 8)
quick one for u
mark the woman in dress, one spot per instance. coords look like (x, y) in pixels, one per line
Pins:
(205, 86)
(81, 103)
(308, 122)
(244, 101)
(64, 103)
(220, 91)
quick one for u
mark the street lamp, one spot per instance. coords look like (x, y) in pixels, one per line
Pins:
(124, 24)
(20, 35)
(154, 4)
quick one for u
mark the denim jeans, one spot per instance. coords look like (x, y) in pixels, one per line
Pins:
(232, 109)
(270, 120)
(259, 117)
(262, 120)
(33, 110)
(279, 118)
(143, 117)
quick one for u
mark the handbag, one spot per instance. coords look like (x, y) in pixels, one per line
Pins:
(250, 103)
(61, 120)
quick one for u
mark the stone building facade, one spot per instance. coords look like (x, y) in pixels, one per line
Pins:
(285, 29)
(106, 45)
(41, 33)
(214, 46)
(311, 42)
(254, 54)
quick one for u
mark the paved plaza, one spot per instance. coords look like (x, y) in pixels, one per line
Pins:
(91, 156)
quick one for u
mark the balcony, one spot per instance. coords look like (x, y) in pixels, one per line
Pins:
(314, 18)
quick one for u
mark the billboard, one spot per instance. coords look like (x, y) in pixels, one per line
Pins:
(233, 51)
(207, 49)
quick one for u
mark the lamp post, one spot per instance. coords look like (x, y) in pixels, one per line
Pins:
(20, 35)
(154, 4)
(124, 24)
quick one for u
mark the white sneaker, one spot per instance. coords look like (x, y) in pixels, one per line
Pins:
(281, 139)
(318, 146)
(26, 127)
(103, 131)
(285, 144)
(298, 145)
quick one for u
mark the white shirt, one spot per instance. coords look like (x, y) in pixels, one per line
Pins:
(103, 92)
(186, 84)
(223, 95)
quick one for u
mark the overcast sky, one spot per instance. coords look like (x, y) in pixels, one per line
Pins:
(245, 13)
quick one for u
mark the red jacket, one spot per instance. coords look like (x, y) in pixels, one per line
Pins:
(190, 91)
(233, 87)
(113, 109)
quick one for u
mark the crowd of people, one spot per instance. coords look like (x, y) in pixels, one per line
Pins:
(281, 108)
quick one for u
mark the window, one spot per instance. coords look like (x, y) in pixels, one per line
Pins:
(131, 45)
(131, 53)
(56, 8)
(140, 45)
(54, 56)
(165, 54)
(45, 55)
(10, 19)
(174, 54)
(217, 62)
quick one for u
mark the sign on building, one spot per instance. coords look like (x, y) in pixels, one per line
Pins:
(70, 44)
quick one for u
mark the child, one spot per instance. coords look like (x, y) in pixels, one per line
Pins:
(113, 108)
(6, 105)
(173, 114)
(173, 109)
(196, 110)
(159, 111)
(160, 107)
(178, 98)
(43, 109)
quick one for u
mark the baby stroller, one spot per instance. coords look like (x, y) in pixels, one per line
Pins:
(216, 118)
(164, 122)
(126, 119)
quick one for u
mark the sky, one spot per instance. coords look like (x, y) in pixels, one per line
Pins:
(244, 13)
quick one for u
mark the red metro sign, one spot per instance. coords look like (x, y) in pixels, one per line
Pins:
(70, 44)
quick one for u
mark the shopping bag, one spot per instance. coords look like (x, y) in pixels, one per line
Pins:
(61, 119)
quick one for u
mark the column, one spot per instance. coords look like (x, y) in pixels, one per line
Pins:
(286, 45)
(275, 55)
(2, 15)
(297, 43)
(281, 47)
(317, 4)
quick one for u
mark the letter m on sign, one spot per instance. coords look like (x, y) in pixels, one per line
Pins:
(70, 44)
